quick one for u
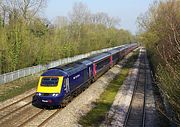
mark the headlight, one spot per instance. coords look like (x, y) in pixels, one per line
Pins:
(38, 94)
(55, 94)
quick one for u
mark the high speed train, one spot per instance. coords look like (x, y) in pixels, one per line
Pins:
(58, 84)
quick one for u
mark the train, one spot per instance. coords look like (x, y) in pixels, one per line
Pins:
(58, 84)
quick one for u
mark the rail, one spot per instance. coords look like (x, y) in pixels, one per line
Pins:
(136, 112)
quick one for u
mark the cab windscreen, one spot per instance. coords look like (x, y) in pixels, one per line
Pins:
(49, 81)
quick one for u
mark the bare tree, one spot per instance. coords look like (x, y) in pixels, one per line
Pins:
(60, 22)
(29, 8)
(104, 19)
(26, 8)
(80, 13)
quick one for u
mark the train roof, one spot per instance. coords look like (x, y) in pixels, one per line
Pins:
(113, 51)
(54, 72)
(68, 69)
(85, 61)
(98, 57)
(72, 68)
(121, 48)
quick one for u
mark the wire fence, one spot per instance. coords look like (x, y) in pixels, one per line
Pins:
(11, 76)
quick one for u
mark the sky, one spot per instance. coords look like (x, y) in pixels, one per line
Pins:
(126, 10)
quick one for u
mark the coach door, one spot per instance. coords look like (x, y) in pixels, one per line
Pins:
(90, 72)
(67, 88)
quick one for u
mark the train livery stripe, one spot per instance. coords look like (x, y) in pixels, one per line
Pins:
(94, 69)
(53, 89)
(111, 60)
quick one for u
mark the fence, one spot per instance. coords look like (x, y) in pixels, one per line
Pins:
(11, 76)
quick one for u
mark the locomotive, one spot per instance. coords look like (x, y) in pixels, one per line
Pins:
(59, 83)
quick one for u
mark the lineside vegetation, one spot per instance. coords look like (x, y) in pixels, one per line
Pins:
(28, 39)
(160, 32)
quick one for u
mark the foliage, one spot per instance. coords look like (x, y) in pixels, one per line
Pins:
(26, 39)
(160, 32)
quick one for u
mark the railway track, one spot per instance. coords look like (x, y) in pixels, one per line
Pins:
(136, 113)
(21, 113)
(31, 116)
(15, 107)
(40, 118)
(49, 118)
(16, 102)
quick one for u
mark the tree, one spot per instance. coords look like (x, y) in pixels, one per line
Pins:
(160, 28)
(28, 9)
(80, 14)
(28, 39)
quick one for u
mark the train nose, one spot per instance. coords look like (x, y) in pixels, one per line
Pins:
(47, 101)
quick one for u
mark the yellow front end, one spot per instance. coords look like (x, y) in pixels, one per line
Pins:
(50, 89)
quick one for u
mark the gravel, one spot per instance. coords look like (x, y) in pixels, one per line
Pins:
(16, 98)
(150, 108)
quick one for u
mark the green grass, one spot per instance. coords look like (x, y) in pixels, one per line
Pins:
(102, 106)
(9, 93)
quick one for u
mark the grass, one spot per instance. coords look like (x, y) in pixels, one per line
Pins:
(16, 88)
(102, 106)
